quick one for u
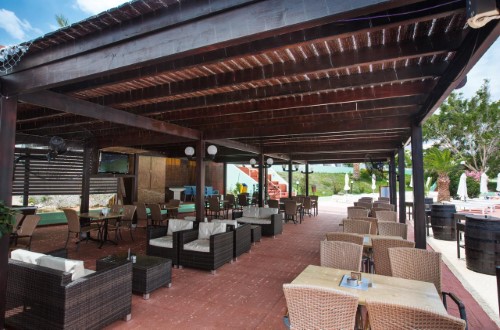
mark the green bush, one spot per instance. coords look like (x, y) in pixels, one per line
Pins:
(472, 185)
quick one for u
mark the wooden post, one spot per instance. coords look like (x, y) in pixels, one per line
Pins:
(88, 153)
(418, 187)
(200, 180)
(290, 178)
(402, 187)
(8, 116)
(392, 182)
(224, 178)
(26, 187)
(261, 163)
(307, 179)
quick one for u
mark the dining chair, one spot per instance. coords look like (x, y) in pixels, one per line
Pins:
(18, 219)
(312, 307)
(380, 247)
(372, 221)
(386, 228)
(230, 204)
(374, 210)
(24, 234)
(345, 237)
(366, 199)
(365, 205)
(75, 227)
(314, 201)
(385, 206)
(389, 316)
(292, 212)
(357, 212)
(387, 215)
(242, 200)
(143, 220)
(422, 265)
(157, 218)
(273, 203)
(341, 255)
(356, 226)
(384, 199)
(214, 209)
(307, 206)
(125, 222)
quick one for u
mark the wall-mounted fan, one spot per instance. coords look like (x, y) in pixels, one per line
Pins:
(57, 146)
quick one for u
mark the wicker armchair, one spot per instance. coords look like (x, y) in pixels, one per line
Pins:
(44, 298)
(422, 265)
(242, 236)
(381, 247)
(75, 227)
(387, 215)
(356, 226)
(393, 229)
(357, 212)
(386, 316)
(24, 235)
(345, 237)
(341, 255)
(163, 250)
(220, 252)
(311, 307)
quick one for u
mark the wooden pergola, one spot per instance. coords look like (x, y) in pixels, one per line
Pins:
(299, 81)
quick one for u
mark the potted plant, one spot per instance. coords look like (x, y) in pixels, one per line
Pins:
(7, 220)
(441, 162)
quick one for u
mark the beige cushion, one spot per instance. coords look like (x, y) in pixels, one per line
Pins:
(227, 222)
(251, 211)
(255, 221)
(26, 256)
(164, 242)
(75, 267)
(200, 245)
(207, 229)
(177, 225)
(266, 212)
(190, 218)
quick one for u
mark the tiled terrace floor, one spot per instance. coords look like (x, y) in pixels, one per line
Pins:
(246, 294)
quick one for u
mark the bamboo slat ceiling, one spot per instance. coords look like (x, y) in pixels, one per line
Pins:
(311, 81)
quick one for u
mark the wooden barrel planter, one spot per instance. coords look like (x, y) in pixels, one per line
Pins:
(482, 243)
(442, 222)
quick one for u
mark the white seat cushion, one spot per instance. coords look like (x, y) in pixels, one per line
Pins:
(163, 242)
(250, 211)
(190, 218)
(227, 222)
(199, 245)
(254, 221)
(177, 225)
(266, 212)
(207, 229)
(75, 267)
(26, 256)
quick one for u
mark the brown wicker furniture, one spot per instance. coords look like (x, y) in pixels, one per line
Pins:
(128, 212)
(386, 228)
(157, 218)
(422, 265)
(388, 316)
(74, 227)
(387, 216)
(384, 206)
(44, 298)
(148, 273)
(24, 235)
(270, 226)
(381, 247)
(315, 202)
(242, 236)
(356, 226)
(103, 221)
(169, 251)
(345, 237)
(312, 307)
(256, 233)
(220, 250)
(357, 212)
(365, 205)
(372, 221)
(342, 255)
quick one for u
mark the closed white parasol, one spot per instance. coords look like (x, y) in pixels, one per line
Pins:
(498, 182)
(462, 187)
(374, 182)
(346, 186)
(483, 185)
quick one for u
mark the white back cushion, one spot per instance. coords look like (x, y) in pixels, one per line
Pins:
(75, 267)
(26, 256)
(251, 211)
(226, 221)
(164, 242)
(207, 229)
(177, 225)
(266, 212)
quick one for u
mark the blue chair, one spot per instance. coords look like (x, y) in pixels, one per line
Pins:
(209, 191)
(188, 192)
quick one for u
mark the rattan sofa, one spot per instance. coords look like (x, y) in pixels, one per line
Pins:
(172, 253)
(242, 236)
(273, 228)
(43, 298)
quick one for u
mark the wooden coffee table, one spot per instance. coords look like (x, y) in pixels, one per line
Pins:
(148, 273)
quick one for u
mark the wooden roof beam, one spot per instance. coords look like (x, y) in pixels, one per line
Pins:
(332, 148)
(232, 144)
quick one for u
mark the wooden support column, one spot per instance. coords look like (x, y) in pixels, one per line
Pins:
(392, 182)
(261, 163)
(224, 179)
(418, 187)
(402, 188)
(88, 157)
(8, 116)
(26, 187)
(307, 179)
(290, 178)
(200, 180)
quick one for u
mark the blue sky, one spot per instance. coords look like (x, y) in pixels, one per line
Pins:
(24, 20)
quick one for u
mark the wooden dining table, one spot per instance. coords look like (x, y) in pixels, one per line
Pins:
(103, 220)
(383, 288)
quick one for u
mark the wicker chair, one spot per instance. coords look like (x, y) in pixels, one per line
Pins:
(356, 226)
(387, 215)
(43, 298)
(24, 235)
(366, 199)
(365, 205)
(341, 255)
(357, 212)
(384, 206)
(374, 210)
(18, 219)
(126, 221)
(162, 250)
(292, 212)
(143, 220)
(314, 201)
(311, 307)
(74, 227)
(422, 265)
(157, 219)
(345, 237)
(384, 199)
(373, 221)
(386, 316)
(242, 201)
(380, 248)
(214, 208)
(307, 206)
(386, 228)
(273, 203)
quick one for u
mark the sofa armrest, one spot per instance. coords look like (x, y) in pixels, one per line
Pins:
(220, 240)
(156, 231)
(186, 236)
(237, 214)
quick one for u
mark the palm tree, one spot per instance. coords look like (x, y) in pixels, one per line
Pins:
(61, 20)
(441, 162)
(356, 171)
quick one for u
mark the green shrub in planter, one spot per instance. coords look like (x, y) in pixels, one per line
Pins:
(6, 219)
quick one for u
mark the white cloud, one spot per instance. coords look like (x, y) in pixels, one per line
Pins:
(97, 6)
(15, 27)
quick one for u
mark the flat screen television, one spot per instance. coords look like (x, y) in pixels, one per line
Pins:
(112, 162)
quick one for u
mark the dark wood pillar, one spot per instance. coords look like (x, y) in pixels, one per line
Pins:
(418, 187)
(26, 187)
(88, 163)
(392, 181)
(8, 116)
(402, 188)
(290, 178)
(200, 180)
(224, 178)
(307, 179)
(261, 163)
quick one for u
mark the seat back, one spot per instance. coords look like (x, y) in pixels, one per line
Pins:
(311, 307)
(155, 212)
(365, 205)
(307, 203)
(231, 200)
(128, 212)
(384, 199)
(381, 247)
(116, 208)
(392, 316)
(357, 212)
(356, 226)
(73, 220)
(242, 200)
(384, 206)
(174, 203)
(386, 228)
(273, 203)
(18, 219)
(214, 203)
(141, 211)
(345, 237)
(387, 216)
(341, 255)
(416, 264)
(290, 208)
